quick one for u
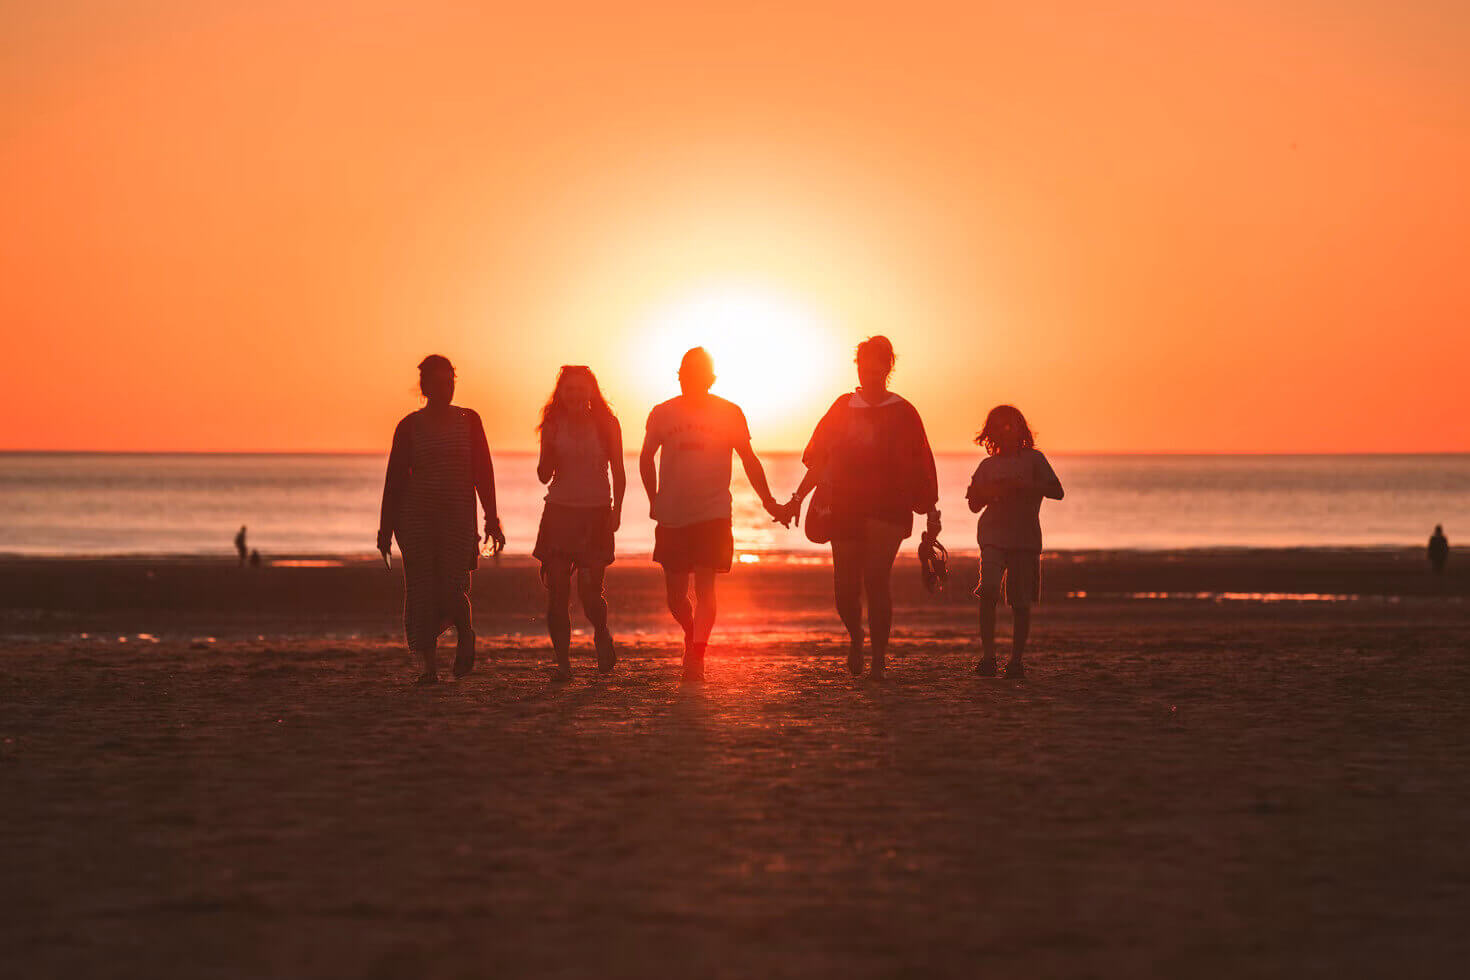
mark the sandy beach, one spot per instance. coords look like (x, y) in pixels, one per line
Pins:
(214, 771)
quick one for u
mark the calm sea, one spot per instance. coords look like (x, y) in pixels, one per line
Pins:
(111, 504)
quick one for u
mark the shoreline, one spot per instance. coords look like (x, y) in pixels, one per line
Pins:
(772, 557)
(358, 597)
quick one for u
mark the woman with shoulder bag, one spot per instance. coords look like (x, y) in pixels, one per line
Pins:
(869, 461)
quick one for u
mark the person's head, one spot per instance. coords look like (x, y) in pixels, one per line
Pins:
(436, 378)
(576, 394)
(1438, 529)
(1005, 431)
(874, 360)
(696, 371)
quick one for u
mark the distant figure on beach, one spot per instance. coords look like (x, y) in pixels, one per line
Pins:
(255, 558)
(1006, 491)
(581, 443)
(240, 545)
(1439, 549)
(692, 435)
(439, 461)
(869, 461)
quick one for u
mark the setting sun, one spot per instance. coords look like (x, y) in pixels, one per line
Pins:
(774, 356)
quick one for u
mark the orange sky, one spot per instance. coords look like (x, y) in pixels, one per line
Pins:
(1220, 226)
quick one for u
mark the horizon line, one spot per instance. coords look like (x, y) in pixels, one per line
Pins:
(531, 451)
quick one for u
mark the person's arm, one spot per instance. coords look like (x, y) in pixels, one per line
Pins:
(648, 469)
(395, 483)
(814, 457)
(978, 494)
(926, 496)
(546, 461)
(757, 476)
(1047, 481)
(815, 470)
(484, 475)
(619, 473)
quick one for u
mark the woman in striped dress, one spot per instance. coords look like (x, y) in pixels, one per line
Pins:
(439, 462)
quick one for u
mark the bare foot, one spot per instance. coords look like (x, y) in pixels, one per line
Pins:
(607, 656)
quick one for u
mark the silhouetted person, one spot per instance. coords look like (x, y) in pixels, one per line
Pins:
(872, 458)
(1439, 549)
(240, 548)
(1006, 491)
(581, 444)
(254, 558)
(439, 462)
(692, 436)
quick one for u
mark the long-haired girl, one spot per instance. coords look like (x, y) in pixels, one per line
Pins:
(581, 444)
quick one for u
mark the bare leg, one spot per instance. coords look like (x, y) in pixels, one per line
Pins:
(676, 585)
(1022, 616)
(456, 602)
(704, 604)
(987, 635)
(594, 603)
(847, 589)
(878, 559)
(558, 613)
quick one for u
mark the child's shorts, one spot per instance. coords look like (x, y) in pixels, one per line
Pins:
(1012, 573)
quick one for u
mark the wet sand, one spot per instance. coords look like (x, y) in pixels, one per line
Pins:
(1183, 786)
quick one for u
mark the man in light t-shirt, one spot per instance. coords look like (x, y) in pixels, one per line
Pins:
(689, 498)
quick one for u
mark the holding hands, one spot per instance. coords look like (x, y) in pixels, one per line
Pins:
(783, 514)
(793, 509)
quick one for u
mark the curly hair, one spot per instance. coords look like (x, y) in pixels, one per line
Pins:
(602, 412)
(1000, 414)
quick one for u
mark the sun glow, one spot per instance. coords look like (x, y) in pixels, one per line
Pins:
(774, 357)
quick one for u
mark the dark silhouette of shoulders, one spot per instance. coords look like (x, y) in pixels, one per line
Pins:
(708, 400)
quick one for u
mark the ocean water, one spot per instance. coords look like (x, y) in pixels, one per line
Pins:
(117, 504)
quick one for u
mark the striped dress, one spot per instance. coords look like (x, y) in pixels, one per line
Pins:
(429, 505)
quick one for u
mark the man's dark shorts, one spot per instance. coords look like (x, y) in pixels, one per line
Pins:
(708, 544)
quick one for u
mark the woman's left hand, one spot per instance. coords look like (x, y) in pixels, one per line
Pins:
(616, 520)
